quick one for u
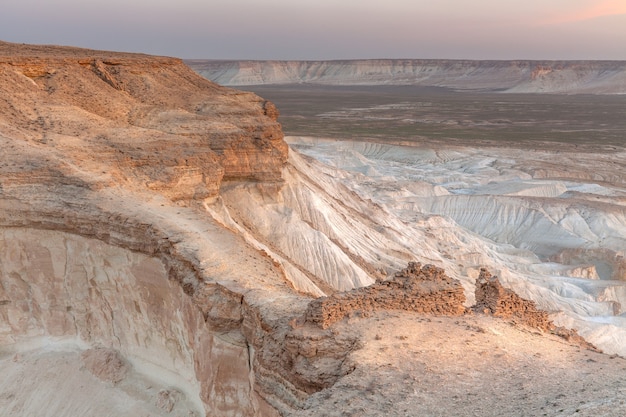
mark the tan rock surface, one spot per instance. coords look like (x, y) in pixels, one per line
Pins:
(114, 147)
(149, 120)
(467, 366)
(421, 289)
(109, 163)
(105, 364)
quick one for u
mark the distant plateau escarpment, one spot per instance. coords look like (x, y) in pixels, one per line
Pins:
(519, 76)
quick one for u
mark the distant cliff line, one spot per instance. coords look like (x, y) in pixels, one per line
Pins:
(518, 76)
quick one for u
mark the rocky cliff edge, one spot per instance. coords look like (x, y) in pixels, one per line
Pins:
(144, 120)
(106, 159)
(114, 276)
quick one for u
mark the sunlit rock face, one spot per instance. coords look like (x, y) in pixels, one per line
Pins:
(149, 119)
(103, 242)
(595, 77)
(61, 292)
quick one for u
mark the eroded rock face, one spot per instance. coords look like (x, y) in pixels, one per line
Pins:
(62, 286)
(105, 364)
(149, 120)
(103, 242)
(493, 298)
(422, 289)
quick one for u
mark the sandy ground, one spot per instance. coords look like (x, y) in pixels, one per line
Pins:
(469, 366)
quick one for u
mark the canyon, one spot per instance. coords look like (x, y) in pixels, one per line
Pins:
(164, 250)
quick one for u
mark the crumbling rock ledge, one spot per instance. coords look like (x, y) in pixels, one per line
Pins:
(428, 290)
(422, 289)
(492, 298)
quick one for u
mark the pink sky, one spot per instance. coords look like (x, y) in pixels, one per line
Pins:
(589, 10)
(327, 29)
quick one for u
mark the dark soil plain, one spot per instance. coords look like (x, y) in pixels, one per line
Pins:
(410, 113)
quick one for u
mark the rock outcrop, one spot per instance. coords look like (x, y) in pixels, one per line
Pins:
(422, 289)
(427, 290)
(105, 242)
(105, 364)
(492, 298)
(106, 159)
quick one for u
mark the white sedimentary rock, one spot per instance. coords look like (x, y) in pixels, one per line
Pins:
(595, 77)
(558, 238)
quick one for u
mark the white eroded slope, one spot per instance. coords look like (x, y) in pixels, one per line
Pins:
(558, 238)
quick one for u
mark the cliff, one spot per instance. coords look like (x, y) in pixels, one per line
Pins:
(115, 269)
(106, 160)
(159, 248)
(149, 120)
(522, 76)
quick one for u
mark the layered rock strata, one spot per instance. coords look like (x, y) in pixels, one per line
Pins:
(104, 244)
(492, 298)
(422, 289)
(149, 120)
(107, 252)
(518, 76)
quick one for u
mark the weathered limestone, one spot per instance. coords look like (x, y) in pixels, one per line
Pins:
(105, 364)
(425, 290)
(428, 290)
(149, 120)
(62, 286)
(106, 158)
(105, 245)
(493, 298)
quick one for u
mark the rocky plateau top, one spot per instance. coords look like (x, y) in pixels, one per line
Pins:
(149, 120)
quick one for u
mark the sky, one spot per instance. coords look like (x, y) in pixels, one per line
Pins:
(327, 29)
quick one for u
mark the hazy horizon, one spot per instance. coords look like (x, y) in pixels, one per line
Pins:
(325, 30)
